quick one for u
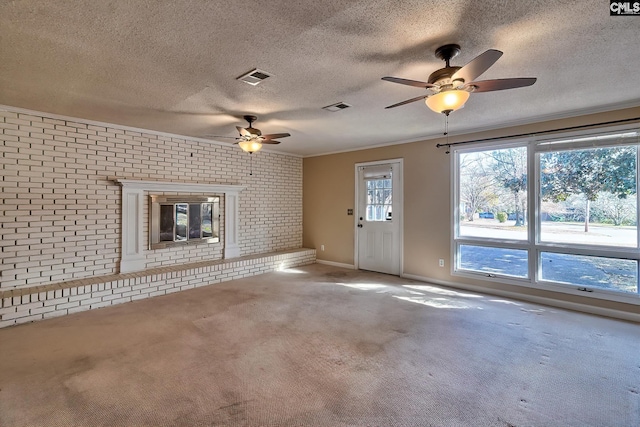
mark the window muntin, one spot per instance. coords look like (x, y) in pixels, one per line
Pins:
(379, 199)
(180, 220)
(610, 246)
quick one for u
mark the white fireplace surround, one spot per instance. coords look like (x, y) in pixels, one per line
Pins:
(133, 244)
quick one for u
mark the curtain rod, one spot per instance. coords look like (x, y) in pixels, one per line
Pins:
(497, 138)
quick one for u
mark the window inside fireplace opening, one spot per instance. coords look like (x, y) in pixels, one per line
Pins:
(179, 220)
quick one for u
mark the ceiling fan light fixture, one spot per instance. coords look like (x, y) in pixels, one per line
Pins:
(447, 101)
(250, 146)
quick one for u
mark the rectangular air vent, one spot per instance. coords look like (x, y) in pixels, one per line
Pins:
(337, 106)
(254, 77)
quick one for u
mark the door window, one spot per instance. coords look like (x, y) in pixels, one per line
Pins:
(379, 199)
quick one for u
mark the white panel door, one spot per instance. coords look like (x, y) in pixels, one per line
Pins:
(378, 218)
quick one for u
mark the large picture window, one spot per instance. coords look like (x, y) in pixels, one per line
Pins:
(558, 213)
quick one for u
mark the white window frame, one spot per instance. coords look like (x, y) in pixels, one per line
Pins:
(533, 244)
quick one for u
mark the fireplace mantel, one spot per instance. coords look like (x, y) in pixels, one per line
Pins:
(132, 252)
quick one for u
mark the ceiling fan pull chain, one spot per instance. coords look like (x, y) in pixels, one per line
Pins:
(446, 126)
(446, 131)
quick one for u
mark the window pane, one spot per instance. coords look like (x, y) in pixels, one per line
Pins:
(507, 262)
(379, 213)
(493, 194)
(166, 223)
(181, 221)
(589, 196)
(194, 221)
(599, 272)
(207, 231)
(379, 199)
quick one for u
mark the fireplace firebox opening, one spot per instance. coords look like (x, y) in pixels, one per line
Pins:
(180, 220)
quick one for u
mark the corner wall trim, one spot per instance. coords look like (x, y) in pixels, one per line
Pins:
(567, 305)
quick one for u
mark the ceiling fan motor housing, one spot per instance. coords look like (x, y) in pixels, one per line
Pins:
(254, 131)
(442, 76)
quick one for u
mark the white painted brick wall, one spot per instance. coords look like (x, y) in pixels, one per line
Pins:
(60, 216)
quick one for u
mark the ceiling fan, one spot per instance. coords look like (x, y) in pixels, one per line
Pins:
(251, 139)
(449, 87)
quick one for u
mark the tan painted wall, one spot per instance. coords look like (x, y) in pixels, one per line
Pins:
(329, 190)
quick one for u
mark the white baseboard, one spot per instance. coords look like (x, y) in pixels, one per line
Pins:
(336, 264)
(585, 308)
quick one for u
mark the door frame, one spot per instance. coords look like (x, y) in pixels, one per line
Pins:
(397, 193)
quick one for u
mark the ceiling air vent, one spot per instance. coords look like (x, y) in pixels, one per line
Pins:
(254, 77)
(336, 107)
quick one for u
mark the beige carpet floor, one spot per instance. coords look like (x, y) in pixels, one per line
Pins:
(322, 346)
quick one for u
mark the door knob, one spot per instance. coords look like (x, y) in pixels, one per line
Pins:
(359, 225)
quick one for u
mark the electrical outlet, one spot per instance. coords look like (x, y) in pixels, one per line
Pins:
(441, 262)
(322, 247)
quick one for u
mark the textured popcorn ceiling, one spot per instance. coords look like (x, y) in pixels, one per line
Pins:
(172, 66)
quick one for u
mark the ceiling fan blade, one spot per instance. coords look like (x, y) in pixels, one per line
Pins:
(243, 131)
(275, 135)
(407, 82)
(501, 84)
(477, 66)
(270, 141)
(408, 101)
